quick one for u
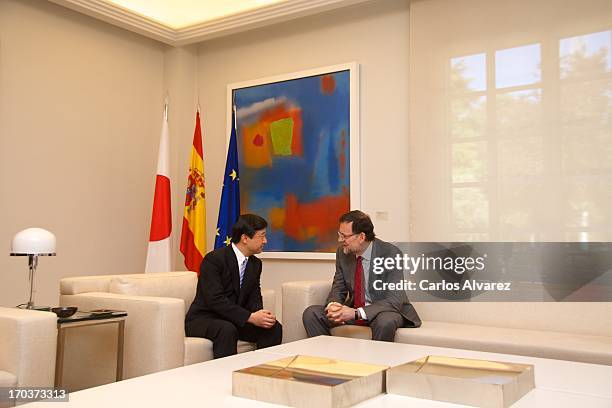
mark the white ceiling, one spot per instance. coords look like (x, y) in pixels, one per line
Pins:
(181, 22)
(183, 13)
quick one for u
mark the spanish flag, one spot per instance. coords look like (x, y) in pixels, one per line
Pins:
(193, 236)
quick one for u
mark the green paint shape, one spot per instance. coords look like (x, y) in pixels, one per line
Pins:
(282, 135)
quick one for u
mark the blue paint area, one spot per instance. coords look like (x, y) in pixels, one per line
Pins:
(332, 166)
(282, 242)
(314, 175)
(320, 185)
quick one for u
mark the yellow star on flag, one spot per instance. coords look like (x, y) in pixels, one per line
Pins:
(217, 233)
(233, 175)
(228, 241)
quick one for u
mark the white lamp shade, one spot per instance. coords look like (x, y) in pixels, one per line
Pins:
(33, 241)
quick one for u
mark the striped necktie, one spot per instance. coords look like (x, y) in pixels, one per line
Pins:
(242, 269)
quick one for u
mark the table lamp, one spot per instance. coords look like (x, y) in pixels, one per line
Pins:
(33, 242)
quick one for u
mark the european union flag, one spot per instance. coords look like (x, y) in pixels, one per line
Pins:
(229, 210)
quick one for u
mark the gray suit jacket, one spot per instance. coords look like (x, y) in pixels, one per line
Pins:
(342, 290)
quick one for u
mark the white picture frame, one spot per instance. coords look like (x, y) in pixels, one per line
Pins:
(354, 139)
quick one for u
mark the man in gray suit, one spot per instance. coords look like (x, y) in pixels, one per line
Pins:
(353, 298)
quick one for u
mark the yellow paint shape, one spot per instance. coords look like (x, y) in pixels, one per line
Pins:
(276, 216)
(256, 145)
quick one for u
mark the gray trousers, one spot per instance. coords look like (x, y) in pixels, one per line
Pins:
(383, 326)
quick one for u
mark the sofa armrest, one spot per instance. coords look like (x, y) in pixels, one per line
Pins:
(297, 296)
(154, 330)
(28, 340)
(269, 299)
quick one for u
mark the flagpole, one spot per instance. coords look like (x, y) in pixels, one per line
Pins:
(166, 103)
(235, 116)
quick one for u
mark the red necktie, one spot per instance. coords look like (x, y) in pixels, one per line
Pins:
(359, 292)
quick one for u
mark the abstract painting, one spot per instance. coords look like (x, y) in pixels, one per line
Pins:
(295, 137)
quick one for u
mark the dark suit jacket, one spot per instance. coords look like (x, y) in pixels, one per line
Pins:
(342, 290)
(219, 294)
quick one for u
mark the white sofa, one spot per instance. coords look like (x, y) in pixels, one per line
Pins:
(155, 340)
(28, 340)
(565, 330)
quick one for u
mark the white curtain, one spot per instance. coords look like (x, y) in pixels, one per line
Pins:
(510, 109)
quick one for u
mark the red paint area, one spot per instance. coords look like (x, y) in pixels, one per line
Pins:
(193, 258)
(161, 220)
(258, 140)
(328, 84)
(255, 156)
(305, 221)
(296, 141)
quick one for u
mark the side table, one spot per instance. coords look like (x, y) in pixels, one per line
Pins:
(82, 319)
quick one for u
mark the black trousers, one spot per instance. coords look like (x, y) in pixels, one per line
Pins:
(225, 335)
(383, 326)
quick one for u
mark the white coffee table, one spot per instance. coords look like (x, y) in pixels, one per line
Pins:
(558, 383)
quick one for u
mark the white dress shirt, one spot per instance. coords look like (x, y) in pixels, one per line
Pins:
(242, 261)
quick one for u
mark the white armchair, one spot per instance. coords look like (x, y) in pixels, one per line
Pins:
(155, 339)
(28, 341)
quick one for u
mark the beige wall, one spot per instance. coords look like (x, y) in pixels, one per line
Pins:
(80, 115)
(374, 35)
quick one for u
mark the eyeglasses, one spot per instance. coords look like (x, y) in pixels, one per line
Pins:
(344, 237)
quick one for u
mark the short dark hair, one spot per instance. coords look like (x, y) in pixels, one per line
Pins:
(361, 223)
(247, 224)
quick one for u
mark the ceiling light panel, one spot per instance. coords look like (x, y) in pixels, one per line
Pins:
(183, 13)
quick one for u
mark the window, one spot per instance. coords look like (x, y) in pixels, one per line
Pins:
(527, 135)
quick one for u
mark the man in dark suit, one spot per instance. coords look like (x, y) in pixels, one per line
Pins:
(353, 298)
(228, 305)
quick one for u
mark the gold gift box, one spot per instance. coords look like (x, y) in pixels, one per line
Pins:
(478, 383)
(304, 381)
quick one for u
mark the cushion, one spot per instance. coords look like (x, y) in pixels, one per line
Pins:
(85, 284)
(578, 317)
(244, 346)
(181, 285)
(356, 332)
(198, 350)
(536, 343)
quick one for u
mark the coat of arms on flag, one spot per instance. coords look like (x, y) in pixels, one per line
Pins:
(193, 236)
